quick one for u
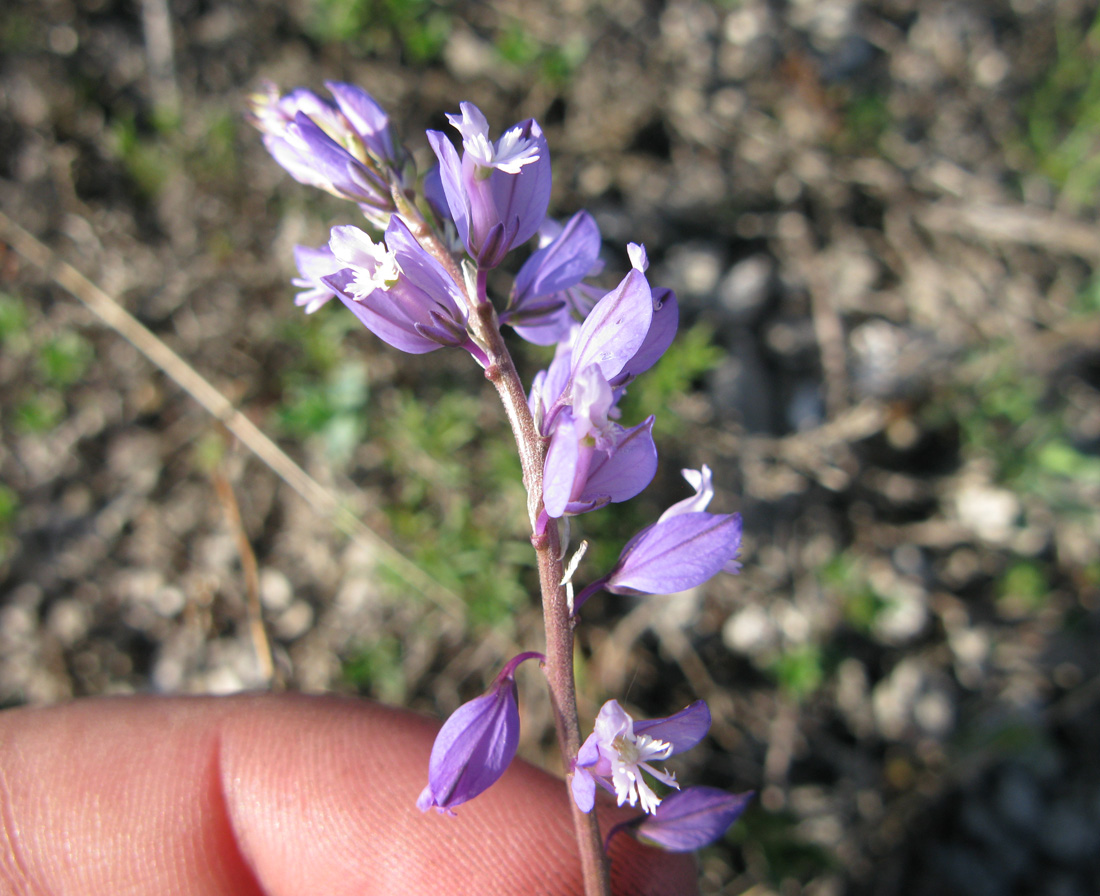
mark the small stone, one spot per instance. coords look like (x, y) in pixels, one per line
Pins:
(68, 621)
(749, 630)
(467, 56)
(1019, 800)
(276, 592)
(1066, 834)
(294, 622)
(988, 511)
(692, 269)
(806, 409)
(169, 601)
(894, 697)
(744, 291)
(934, 714)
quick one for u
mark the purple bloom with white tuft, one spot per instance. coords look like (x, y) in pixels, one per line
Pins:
(398, 290)
(691, 819)
(619, 749)
(497, 193)
(476, 744)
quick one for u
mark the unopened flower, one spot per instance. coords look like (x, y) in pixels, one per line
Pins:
(620, 749)
(346, 148)
(691, 818)
(497, 193)
(616, 328)
(475, 745)
(684, 548)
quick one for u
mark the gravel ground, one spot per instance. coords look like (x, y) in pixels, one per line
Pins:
(884, 246)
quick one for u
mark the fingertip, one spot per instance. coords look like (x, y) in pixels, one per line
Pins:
(351, 821)
(284, 795)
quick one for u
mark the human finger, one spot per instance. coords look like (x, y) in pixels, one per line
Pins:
(276, 796)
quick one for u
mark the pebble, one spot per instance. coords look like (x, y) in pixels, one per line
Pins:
(749, 630)
(990, 512)
(742, 389)
(745, 290)
(692, 269)
(294, 621)
(68, 620)
(1018, 799)
(1066, 834)
(276, 592)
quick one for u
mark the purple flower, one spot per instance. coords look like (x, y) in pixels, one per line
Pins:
(593, 461)
(475, 745)
(399, 291)
(497, 193)
(346, 149)
(548, 295)
(691, 819)
(313, 265)
(369, 124)
(598, 350)
(684, 548)
(617, 326)
(619, 749)
(662, 330)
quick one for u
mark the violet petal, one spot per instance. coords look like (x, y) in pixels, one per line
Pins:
(562, 263)
(616, 327)
(692, 818)
(662, 332)
(627, 470)
(676, 554)
(683, 730)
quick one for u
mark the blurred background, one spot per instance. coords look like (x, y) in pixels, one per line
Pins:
(880, 219)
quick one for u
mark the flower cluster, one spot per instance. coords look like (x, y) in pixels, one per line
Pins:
(417, 279)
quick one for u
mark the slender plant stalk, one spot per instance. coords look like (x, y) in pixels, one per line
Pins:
(555, 609)
(501, 372)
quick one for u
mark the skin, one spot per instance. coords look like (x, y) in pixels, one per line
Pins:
(280, 795)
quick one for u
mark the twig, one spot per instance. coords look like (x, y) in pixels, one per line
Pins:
(260, 642)
(1014, 224)
(321, 499)
(828, 329)
(156, 21)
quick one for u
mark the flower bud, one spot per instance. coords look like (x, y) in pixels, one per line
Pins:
(475, 745)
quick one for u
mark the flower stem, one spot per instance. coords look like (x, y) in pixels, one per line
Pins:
(555, 609)
(501, 372)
